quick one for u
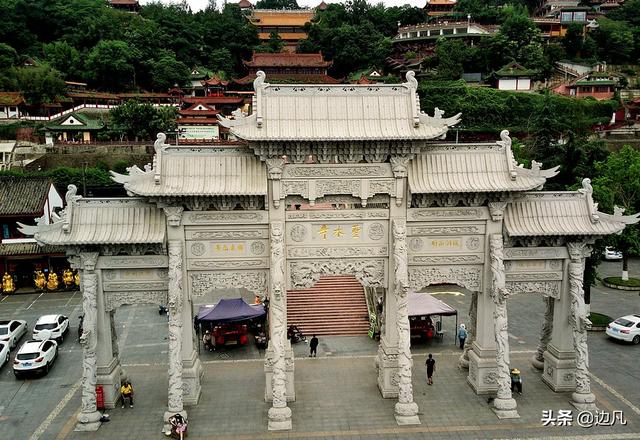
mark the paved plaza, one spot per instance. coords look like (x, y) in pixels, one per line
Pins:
(337, 394)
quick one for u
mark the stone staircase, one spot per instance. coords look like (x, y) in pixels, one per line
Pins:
(336, 305)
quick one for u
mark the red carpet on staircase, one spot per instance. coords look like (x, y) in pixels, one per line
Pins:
(336, 305)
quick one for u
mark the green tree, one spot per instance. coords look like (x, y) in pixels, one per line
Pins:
(573, 40)
(615, 40)
(109, 65)
(133, 120)
(39, 84)
(618, 183)
(63, 57)
(8, 56)
(275, 43)
(167, 71)
(277, 4)
(451, 55)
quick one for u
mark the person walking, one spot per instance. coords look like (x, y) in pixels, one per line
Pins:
(431, 368)
(313, 346)
(126, 391)
(462, 335)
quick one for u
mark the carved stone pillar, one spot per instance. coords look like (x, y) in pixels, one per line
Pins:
(582, 398)
(279, 414)
(545, 333)
(176, 403)
(109, 370)
(504, 405)
(406, 410)
(89, 417)
(463, 362)
(275, 166)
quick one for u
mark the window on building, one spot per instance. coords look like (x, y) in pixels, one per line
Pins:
(566, 16)
(447, 31)
(413, 35)
(5, 231)
(579, 16)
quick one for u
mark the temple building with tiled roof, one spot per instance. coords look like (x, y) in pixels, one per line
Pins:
(293, 68)
(287, 23)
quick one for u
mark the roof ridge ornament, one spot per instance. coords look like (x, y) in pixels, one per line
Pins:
(505, 143)
(592, 207)
(159, 145)
(618, 216)
(71, 197)
(258, 86)
(412, 85)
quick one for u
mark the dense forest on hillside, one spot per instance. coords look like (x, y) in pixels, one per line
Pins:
(86, 40)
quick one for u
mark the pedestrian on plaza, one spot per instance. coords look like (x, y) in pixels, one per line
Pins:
(462, 335)
(431, 368)
(126, 391)
(516, 381)
(206, 341)
(313, 346)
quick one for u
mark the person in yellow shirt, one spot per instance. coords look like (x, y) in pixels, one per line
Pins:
(126, 391)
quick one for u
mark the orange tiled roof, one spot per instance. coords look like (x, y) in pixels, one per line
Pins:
(291, 78)
(287, 60)
(213, 100)
(268, 17)
(11, 98)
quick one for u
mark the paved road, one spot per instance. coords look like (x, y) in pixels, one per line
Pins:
(336, 394)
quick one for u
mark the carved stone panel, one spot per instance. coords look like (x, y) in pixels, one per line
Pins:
(226, 234)
(230, 217)
(337, 252)
(535, 253)
(337, 170)
(546, 288)
(415, 260)
(370, 272)
(242, 263)
(130, 262)
(423, 229)
(227, 249)
(436, 214)
(202, 283)
(347, 214)
(446, 244)
(113, 300)
(469, 277)
(134, 279)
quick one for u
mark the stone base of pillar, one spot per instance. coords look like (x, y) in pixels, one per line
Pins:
(109, 377)
(505, 408)
(268, 370)
(584, 401)
(559, 369)
(279, 419)
(386, 364)
(407, 413)
(537, 363)
(191, 374)
(88, 421)
(482, 370)
(166, 428)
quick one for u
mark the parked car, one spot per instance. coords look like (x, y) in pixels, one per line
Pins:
(34, 357)
(51, 327)
(626, 328)
(4, 353)
(12, 331)
(610, 253)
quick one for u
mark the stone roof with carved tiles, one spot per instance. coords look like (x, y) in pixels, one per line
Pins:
(561, 214)
(186, 171)
(101, 221)
(23, 196)
(308, 113)
(473, 168)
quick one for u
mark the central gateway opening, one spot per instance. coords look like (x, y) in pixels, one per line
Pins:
(335, 305)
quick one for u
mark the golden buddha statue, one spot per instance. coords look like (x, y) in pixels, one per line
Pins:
(52, 281)
(67, 278)
(76, 279)
(39, 280)
(7, 284)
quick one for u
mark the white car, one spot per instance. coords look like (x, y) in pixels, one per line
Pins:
(51, 327)
(4, 352)
(610, 253)
(12, 331)
(626, 328)
(35, 356)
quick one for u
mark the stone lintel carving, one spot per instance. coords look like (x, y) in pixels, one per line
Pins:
(254, 281)
(113, 300)
(228, 264)
(534, 276)
(88, 260)
(130, 262)
(535, 253)
(469, 277)
(445, 259)
(370, 271)
(175, 304)
(546, 288)
(431, 214)
(337, 170)
(496, 210)
(126, 286)
(337, 251)
(361, 214)
(174, 215)
(422, 230)
(89, 341)
(226, 235)
(232, 217)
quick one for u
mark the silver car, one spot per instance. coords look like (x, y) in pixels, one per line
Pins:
(12, 331)
(34, 357)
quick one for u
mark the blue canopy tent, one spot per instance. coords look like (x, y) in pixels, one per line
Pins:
(230, 310)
